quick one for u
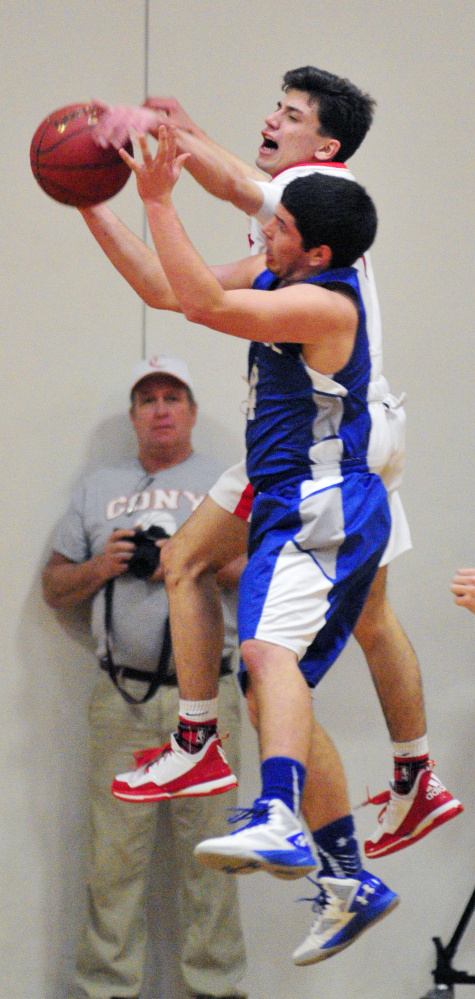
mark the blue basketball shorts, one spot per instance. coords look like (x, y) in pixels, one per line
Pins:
(314, 549)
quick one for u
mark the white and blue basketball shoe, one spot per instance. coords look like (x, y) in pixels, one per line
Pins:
(273, 841)
(345, 907)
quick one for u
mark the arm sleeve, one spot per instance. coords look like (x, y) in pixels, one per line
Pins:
(70, 538)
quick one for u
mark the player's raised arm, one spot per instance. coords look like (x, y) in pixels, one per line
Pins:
(296, 312)
(221, 173)
(218, 171)
(140, 265)
(131, 257)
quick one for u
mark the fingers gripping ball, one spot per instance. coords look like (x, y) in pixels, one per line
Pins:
(68, 164)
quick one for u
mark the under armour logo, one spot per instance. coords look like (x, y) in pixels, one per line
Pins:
(363, 899)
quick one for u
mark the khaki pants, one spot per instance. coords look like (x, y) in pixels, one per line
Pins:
(112, 951)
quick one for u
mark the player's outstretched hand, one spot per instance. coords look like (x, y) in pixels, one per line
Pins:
(157, 175)
(463, 585)
(119, 122)
(176, 115)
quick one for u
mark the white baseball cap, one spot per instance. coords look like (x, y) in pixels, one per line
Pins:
(159, 365)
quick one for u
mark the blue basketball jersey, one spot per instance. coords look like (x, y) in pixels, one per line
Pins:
(320, 519)
(300, 422)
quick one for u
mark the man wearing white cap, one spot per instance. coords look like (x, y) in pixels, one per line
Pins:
(98, 554)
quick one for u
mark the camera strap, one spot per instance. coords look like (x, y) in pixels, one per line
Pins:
(118, 673)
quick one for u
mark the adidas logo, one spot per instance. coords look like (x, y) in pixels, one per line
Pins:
(434, 788)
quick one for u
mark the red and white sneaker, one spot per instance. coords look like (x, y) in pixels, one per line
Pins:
(406, 818)
(173, 773)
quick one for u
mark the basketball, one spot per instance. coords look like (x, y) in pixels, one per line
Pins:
(67, 163)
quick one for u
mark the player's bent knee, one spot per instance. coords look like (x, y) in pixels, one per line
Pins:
(180, 560)
(261, 658)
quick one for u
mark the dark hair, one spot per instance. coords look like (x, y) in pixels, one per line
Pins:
(344, 112)
(333, 212)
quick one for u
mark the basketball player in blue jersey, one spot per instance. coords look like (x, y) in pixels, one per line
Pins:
(320, 522)
(319, 122)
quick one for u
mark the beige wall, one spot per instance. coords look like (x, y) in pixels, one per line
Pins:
(71, 331)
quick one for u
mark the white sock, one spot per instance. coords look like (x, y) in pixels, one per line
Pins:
(416, 748)
(198, 711)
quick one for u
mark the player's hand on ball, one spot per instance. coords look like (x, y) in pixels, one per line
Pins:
(119, 122)
(156, 176)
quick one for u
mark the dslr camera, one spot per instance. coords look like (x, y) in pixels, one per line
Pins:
(146, 556)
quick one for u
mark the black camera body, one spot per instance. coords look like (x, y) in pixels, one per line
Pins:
(146, 556)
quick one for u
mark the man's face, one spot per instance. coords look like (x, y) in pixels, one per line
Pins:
(162, 415)
(285, 255)
(291, 134)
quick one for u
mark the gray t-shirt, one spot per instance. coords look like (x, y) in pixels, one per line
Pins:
(125, 496)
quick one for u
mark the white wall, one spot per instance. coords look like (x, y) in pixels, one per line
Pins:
(71, 331)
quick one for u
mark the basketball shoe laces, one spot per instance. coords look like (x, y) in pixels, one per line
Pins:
(318, 901)
(257, 813)
(146, 757)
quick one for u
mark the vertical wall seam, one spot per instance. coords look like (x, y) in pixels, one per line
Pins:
(144, 214)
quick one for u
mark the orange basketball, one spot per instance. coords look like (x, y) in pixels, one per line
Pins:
(67, 163)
